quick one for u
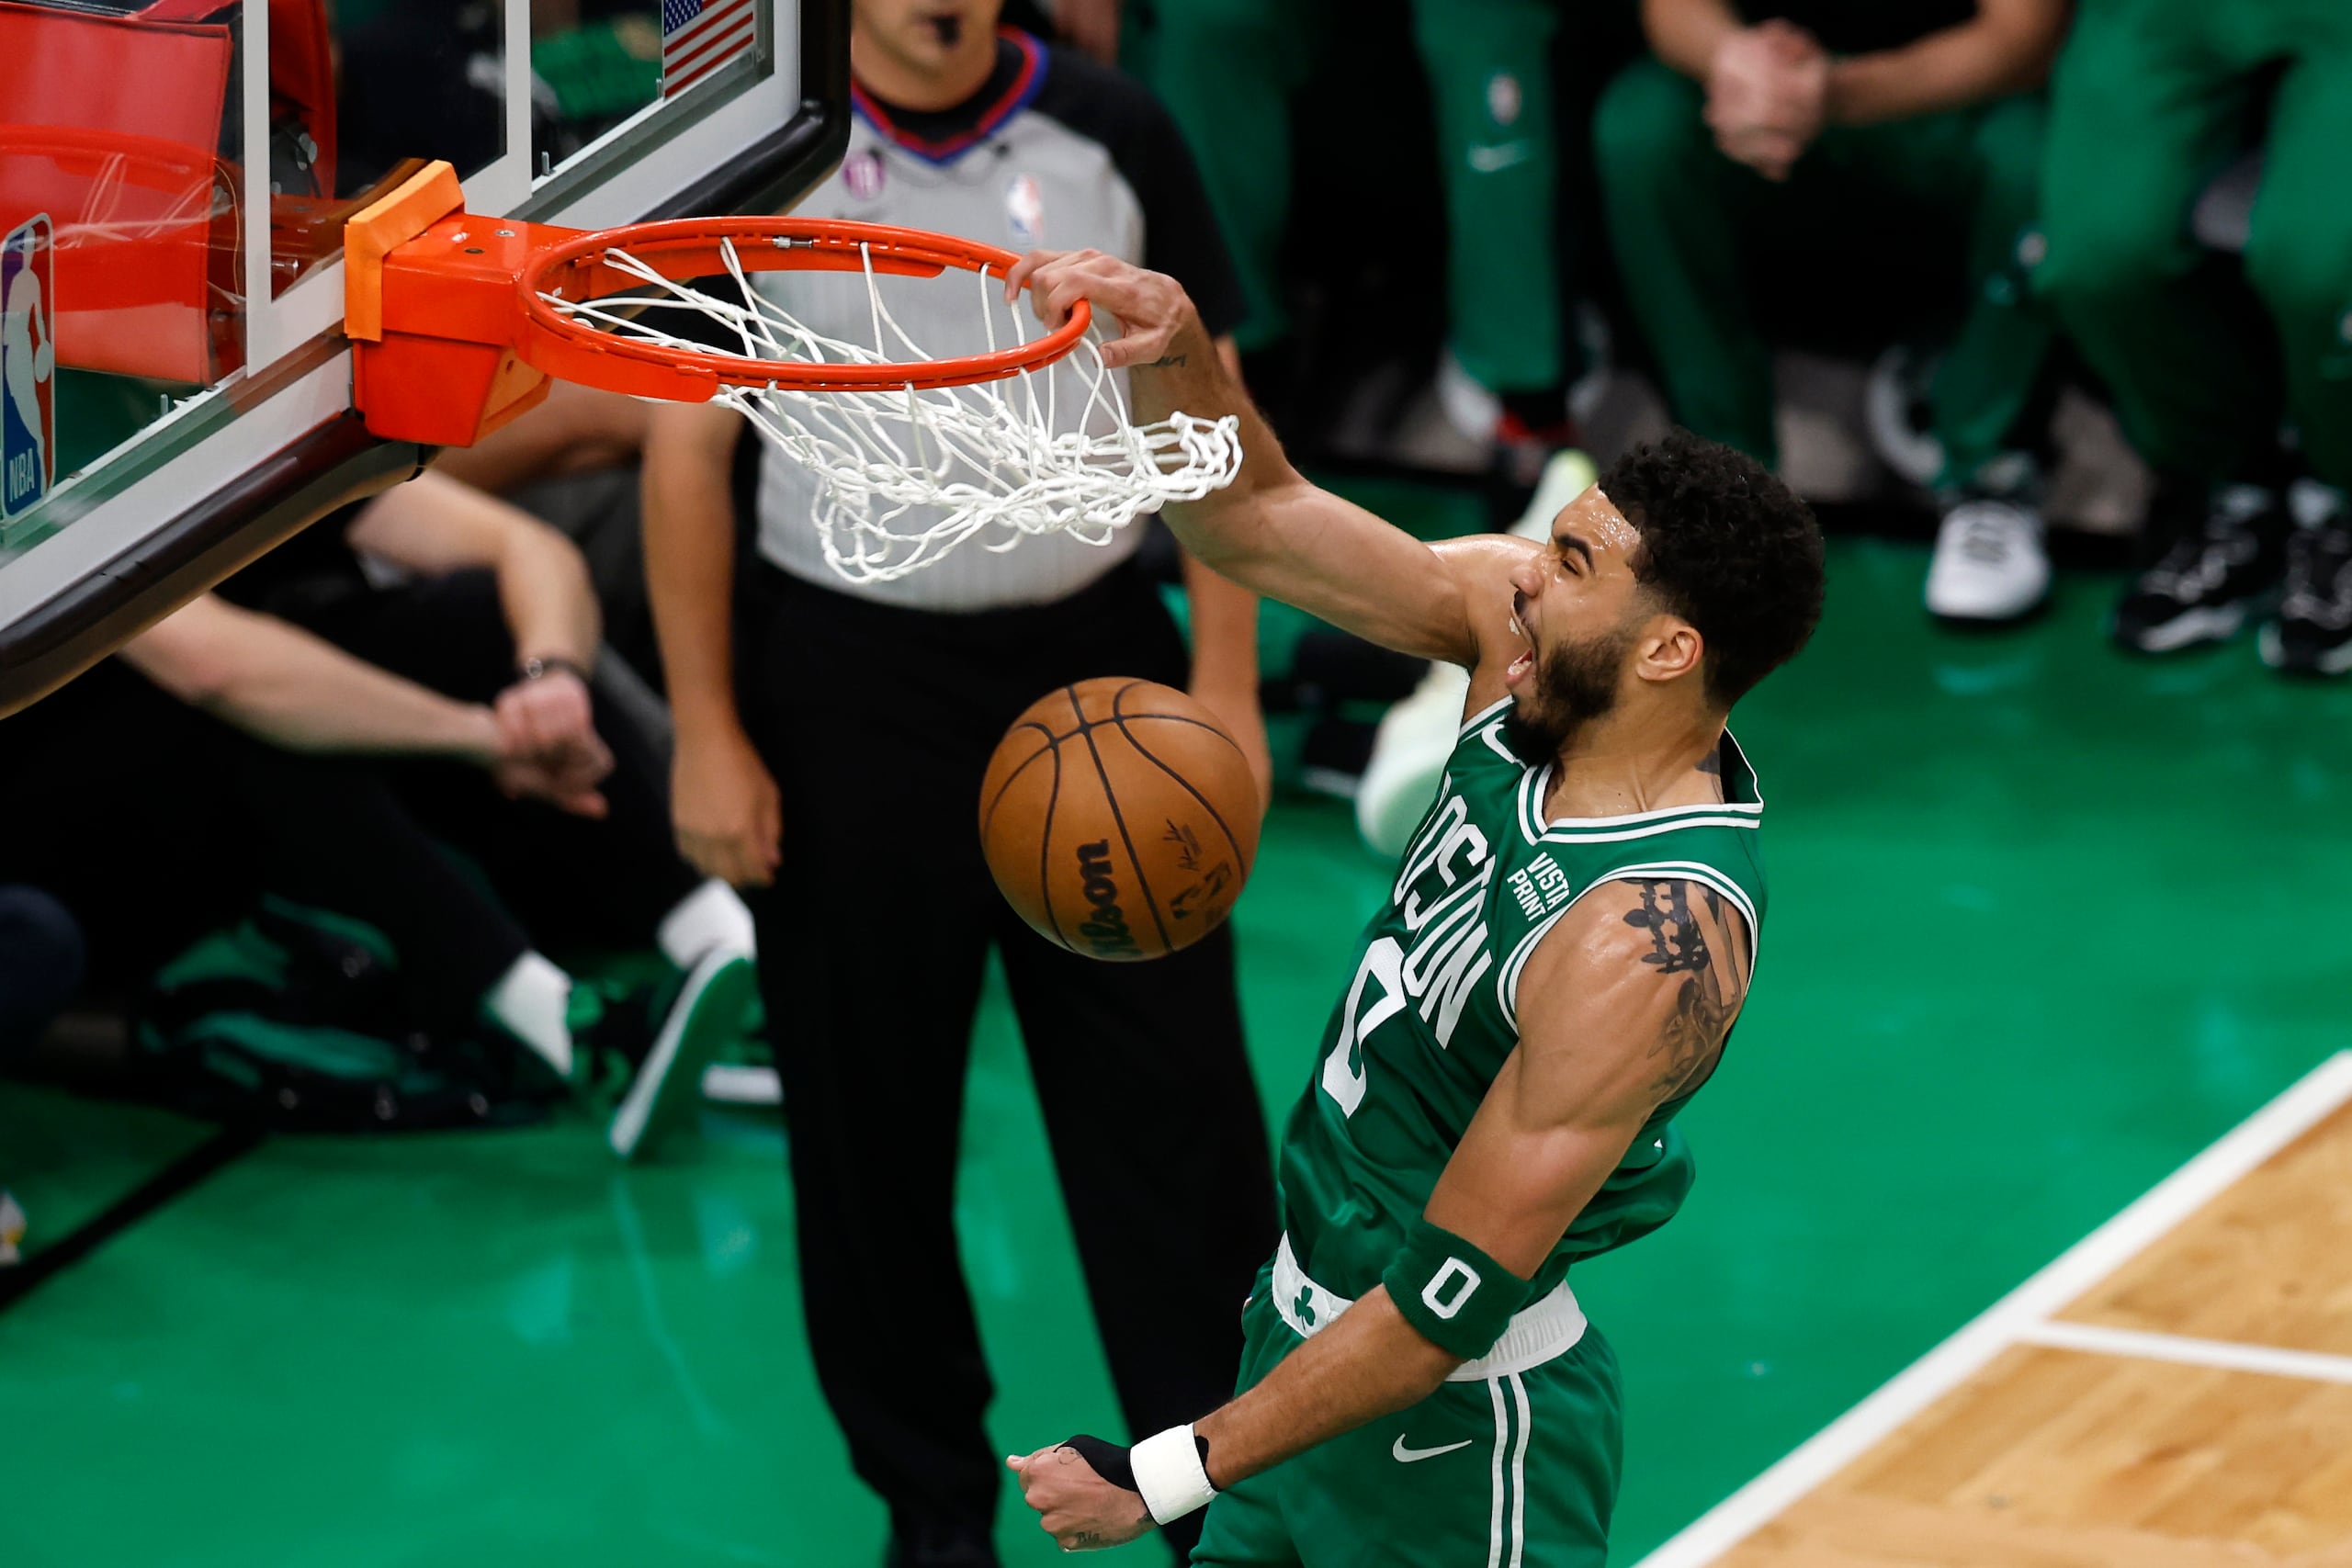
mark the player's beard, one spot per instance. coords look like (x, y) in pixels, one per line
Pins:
(1575, 683)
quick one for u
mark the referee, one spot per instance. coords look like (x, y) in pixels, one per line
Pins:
(831, 743)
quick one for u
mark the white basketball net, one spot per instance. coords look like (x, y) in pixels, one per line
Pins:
(905, 475)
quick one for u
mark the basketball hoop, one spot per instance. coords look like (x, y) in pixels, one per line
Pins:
(912, 454)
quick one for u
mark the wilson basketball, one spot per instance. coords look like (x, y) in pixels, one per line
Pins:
(1119, 819)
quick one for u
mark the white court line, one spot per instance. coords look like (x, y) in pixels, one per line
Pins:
(2227, 1355)
(2074, 1271)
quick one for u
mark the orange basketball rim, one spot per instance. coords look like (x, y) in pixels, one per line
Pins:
(457, 321)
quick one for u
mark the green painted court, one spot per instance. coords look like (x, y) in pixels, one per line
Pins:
(2045, 923)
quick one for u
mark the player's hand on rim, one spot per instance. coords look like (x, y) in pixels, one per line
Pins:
(1080, 1510)
(1151, 309)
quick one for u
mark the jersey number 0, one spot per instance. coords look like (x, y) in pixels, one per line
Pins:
(1343, 1073)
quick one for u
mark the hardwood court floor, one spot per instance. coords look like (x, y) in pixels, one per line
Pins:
(2190, 1408)
(2046, 922)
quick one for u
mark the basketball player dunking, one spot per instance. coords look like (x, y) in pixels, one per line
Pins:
(1566, 946)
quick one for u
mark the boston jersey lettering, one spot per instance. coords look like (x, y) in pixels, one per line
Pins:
(1429, 1012)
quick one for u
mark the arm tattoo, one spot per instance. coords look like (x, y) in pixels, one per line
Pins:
(1165, 362)
(1693, 1037)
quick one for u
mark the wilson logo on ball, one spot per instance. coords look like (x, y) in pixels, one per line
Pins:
(1106, 930)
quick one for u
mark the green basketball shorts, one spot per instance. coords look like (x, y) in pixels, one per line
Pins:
(1518, 1471)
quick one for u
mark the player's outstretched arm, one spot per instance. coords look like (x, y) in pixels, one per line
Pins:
(1622, 1007)
(1269, 531)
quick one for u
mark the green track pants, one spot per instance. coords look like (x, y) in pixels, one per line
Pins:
(1680, 217)
(2151, 99)
(1227, 70)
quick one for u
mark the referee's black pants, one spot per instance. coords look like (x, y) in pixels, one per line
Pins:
(878, 723)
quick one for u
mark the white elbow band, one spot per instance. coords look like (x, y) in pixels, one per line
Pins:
(1173, 1473)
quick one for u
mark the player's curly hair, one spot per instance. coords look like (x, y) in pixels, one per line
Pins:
(1726, 546)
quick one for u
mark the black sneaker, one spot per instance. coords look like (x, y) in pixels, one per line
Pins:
(2312, 635)
(658, 1043)
(2213, 575)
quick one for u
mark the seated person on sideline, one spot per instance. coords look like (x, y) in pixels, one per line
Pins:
(494, 606)
(1229, 71)
(41, 968)
(2151, 97)
(170, 804)
(1796, 112)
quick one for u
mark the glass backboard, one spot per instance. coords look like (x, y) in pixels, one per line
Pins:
(167, 415)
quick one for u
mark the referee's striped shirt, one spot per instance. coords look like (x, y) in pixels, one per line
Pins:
(1053, 152)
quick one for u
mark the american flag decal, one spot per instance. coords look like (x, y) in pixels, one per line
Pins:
(700, 36)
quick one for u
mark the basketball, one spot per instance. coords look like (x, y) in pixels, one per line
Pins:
(1119, 819)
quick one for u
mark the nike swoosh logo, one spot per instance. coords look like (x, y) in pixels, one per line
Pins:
(1404, 1455)
(1494, 160)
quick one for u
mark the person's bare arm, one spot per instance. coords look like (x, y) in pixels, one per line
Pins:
(1767, 84)
(434, 524)
(1687, 34)
(1225, 646)
(577, 429)
(2006, 48)
(724, 806)
(1270, 530)
(1622, 1007)
(285, 687)
(1224, 665)
(280, 683)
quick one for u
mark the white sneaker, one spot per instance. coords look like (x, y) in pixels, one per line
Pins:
(1408, 757)
(1989, 563)
(705, 1012)
(737, 1083)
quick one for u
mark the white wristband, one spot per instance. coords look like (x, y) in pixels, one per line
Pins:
(1170, 1474)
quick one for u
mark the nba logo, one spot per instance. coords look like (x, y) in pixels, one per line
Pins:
(862, 174)
(1024, 211)
(1503, 98)
(28, 366)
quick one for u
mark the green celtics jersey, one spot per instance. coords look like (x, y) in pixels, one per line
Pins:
(1428, 1015)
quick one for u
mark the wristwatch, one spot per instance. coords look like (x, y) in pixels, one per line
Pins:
(534, 667)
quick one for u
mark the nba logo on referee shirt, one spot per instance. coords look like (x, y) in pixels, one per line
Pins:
(862, 172)
(1024, 211)
(27, 368)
